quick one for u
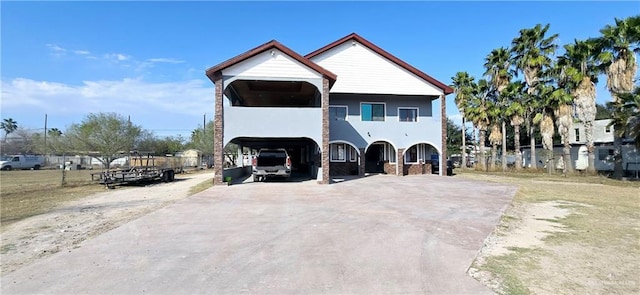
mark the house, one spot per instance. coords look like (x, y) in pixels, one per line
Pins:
(603, 150)
(348, 108)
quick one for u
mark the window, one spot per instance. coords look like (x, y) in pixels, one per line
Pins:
(338, 113)
(341, 152)
(607, 129)
(390, 153)
(372, 111)
(418, 153)
(577, 134)
(337, 152)
(353, 154)
(408, 114)
(605, 154)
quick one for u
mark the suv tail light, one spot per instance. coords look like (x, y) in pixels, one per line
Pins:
(254, 161)
(288, 162)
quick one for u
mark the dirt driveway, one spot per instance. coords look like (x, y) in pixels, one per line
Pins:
(379, 234)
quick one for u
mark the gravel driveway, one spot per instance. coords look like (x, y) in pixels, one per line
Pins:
(379, 234)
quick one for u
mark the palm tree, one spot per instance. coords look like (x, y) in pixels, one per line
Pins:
(580, 73)
(463, 86)
(477, 112)
(626, 115)
(515, 113)
(497, 65)
(54, 132)
(9, 126)
(531, 54)
(618, 44)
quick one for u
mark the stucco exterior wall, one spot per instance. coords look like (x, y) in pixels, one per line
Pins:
(400, 134)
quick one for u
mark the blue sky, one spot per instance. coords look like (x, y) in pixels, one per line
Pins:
(147, 60)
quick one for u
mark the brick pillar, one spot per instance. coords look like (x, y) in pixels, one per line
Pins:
(218, 131)
(443, 112)
(325, 131)
(362, 162)
(400, 162)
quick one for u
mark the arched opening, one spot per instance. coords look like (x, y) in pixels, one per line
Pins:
(380, 157)
(421, 158)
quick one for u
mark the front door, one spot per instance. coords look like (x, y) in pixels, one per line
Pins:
(374, 159)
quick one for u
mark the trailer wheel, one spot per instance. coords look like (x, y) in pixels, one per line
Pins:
(165, 176)
(172, 175)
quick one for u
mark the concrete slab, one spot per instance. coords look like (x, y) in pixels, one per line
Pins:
(374, 235)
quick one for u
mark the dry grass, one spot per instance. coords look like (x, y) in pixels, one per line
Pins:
(26, 193)
(599, 253)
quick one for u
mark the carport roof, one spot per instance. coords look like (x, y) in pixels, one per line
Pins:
(353, 36)
(211, 72)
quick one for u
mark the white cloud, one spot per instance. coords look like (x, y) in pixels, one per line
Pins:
(82, 52)
(162, 105)
(165, 60)
(117, 57)
(56, 50)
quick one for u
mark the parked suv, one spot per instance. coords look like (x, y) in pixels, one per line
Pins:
(435, 167)
(271, 163)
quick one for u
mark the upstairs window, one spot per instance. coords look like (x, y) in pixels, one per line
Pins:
(577, 134)
(337, 113)
(372, 111)
(408, 114)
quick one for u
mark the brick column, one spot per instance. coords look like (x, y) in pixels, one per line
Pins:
(218, 131)
(443, 112)
(400, 162)
(362, 162)
(325, 131)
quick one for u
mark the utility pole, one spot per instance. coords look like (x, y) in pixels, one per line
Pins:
(204, 123)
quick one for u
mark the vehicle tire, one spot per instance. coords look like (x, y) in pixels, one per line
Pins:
(7, 168)
(165, 176)
(36, 167)
(172, 175)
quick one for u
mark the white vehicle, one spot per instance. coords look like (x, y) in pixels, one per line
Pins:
(21, 162)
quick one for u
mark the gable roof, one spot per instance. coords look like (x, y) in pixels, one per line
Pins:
(353, 36)
(268, 46)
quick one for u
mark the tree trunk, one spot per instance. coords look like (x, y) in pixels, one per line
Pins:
(494, 153)
(533, 163)
(516, 142)
(588, 131)
(504, 146)
(618, 172)
(481, 158)
(547, 131)
(475, 146)
(463, 162)
(566, 150)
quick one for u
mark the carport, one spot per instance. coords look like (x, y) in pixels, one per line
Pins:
(303, 152)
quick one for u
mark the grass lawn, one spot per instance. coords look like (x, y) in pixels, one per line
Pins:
(599, 249)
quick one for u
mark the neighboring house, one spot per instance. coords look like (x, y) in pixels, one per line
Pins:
(348, 108)
(604, 150)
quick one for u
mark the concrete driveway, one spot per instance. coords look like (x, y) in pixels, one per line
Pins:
(374, 235)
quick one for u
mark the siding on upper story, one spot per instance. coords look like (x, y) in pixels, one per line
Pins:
(267, 64)
(361, 70)
(399, 134)
(600, 133)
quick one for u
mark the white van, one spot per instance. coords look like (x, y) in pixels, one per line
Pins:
(21, 162)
